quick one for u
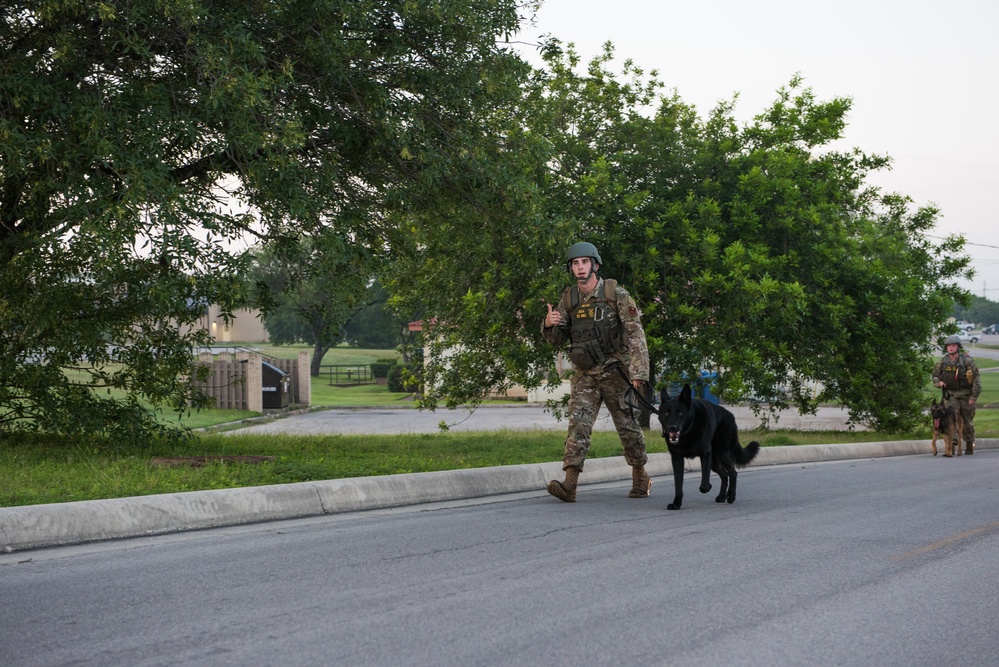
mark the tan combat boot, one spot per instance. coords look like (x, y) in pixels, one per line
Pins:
(641, 483)
(566, 489)
(969, 448)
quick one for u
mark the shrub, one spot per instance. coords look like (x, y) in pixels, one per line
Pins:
(380, 369)
(404, 378)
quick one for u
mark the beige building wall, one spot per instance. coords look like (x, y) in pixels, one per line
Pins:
(245, 327)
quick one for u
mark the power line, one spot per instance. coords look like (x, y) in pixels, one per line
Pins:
(979, 245)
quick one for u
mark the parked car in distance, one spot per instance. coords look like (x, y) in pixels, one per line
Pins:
(968, 337)
(964, 326)
(991, 330)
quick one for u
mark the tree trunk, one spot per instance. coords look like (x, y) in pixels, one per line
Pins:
(318, 352)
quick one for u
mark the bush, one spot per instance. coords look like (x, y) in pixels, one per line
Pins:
(394, 379)
(380, 369)
(404, 379)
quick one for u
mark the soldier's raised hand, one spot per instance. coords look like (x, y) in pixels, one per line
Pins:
(554, 318)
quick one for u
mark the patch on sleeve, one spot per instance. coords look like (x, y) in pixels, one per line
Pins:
(633, 311)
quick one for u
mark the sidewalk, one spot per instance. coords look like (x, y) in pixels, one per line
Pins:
(382, 421)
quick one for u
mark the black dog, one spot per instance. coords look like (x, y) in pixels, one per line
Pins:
(695, 428)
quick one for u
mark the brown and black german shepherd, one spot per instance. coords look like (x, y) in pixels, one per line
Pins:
(947, 424)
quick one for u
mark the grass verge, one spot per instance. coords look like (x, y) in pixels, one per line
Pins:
(34, 469)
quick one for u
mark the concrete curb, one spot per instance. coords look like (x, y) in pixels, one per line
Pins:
(38, 526)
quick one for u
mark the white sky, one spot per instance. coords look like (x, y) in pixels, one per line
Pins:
(923, 76)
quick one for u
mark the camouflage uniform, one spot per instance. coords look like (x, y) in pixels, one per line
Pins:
(605, 384)
(963, 383)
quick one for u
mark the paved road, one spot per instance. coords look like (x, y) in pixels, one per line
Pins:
(984, 352)
(888, 562)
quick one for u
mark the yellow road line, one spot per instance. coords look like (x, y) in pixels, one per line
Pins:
(948, 541)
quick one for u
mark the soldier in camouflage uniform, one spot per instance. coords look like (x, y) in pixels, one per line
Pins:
(957, 374)
(603, 327)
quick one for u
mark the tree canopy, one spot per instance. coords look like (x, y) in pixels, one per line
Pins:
(319, 291)
(142, 143)
(373, 326)
(979, 310)
(145, 144)
(308, 291)
(759, 252)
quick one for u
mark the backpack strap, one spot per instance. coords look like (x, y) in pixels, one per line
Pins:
(570, 299)
(610, 287)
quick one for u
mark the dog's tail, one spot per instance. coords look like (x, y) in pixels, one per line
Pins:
(743, 455)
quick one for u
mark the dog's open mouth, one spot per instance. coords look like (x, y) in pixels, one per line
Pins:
(936, 424)
(672, 435)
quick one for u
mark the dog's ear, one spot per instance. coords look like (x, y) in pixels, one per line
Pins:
(663, 395)
(685, 394)
(934, 402)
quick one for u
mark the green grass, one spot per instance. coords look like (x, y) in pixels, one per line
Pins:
(324, 395)
(340, 355)
(990, 381)
(196, 419)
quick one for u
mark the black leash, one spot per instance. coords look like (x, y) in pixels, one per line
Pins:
(631, 391)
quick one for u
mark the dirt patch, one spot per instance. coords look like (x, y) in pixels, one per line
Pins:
(199, 461)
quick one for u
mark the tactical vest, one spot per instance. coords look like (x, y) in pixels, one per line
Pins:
(595, 330)
(957, 374)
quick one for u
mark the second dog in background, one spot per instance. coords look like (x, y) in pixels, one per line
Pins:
(947, 424)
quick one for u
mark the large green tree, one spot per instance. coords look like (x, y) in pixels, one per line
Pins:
(319, 290)
(758, 251)
(979, 310)
(308, 289)
(373, 326)
(143, 142)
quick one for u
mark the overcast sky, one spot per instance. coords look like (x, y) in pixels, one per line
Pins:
(923, 76)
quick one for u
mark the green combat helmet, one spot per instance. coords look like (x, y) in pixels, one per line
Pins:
(582, 249)
(953, 339)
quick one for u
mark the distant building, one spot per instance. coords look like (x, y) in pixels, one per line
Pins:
(246, 326)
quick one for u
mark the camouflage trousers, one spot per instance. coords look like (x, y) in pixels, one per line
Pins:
(589, 391)
(959, 400)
